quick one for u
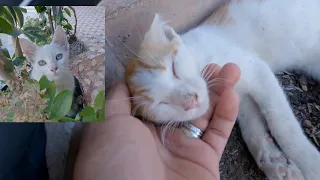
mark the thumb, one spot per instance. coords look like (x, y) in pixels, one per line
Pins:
(222, 122)
(117, 101)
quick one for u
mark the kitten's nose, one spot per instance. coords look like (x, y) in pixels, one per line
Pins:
(192, 102)
(54, 69)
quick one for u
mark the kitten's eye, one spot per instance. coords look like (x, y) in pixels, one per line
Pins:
(42, 63)
(164, 103)
(59, 56)
(173, 71)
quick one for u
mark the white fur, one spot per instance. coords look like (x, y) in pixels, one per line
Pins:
(63, 77)
(267, 36)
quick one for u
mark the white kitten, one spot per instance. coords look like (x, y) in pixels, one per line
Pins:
(261, 37)
(51, 60)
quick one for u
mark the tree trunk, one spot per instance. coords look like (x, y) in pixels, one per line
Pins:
(10, 79)
(50, 20)
(76, 20)
(54, 16)
(17, 47)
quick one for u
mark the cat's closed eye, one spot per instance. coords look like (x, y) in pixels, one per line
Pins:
(59, 56)
(42, 63)
(173, 71)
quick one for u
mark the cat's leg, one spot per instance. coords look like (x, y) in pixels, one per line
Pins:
(267, 155)
(283, 125)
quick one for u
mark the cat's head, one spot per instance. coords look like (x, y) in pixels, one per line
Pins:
(165, 81)
(50, 59)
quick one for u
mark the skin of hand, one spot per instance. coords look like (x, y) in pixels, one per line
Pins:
(123, 147)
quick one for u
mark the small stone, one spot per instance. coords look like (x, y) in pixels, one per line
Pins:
(309, 108)
(101, 75)
(307, 123)
(89, 73)
(93, 62)
(99, 83)
(87, 81)
(285, 82)
(308, 131)
(81, 67)
(299, 89)
(304, 87)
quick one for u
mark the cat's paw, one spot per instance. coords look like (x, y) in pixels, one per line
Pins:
(275, 165)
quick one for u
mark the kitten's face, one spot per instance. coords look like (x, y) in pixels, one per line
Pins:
(51, 59)
(167, 83)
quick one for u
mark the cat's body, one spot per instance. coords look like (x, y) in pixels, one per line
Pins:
(261, 37)
(52, 60)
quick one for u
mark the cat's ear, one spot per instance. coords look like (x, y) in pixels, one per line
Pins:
(160, 31)
(60, 38)
(28, 48)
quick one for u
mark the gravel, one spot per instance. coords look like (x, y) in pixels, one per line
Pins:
(304, 95)
(77, 47)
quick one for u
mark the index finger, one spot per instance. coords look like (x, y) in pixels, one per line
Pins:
(227, 78)
(118, 101)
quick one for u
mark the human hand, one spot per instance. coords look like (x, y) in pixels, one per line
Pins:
(123, 147)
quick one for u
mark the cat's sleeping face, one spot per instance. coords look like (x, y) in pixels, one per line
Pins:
(166, 82)
(49, 60)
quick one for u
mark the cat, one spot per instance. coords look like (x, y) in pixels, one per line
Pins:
(262, 37)
(52, 60)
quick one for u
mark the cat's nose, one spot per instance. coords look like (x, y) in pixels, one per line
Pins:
(54, 69)
(191, 102)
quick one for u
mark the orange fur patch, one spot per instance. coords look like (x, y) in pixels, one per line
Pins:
(136, 89)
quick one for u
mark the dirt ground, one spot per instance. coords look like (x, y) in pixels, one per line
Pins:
(304, 95)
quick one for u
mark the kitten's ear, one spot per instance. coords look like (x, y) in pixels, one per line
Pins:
(28, 48)
(161, 31)
(60, 37)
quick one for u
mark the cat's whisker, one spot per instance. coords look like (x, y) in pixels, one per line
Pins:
(204, 71)
(128, 57)
(215, 80)
(133, 113)
(132, 98)
(131, 50)
(155, 61)
(213, 69)
(164, 130)
(209, 73)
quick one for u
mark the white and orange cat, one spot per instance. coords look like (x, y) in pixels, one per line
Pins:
(260, 36)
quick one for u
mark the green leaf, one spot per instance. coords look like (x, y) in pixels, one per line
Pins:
(5, 26)
(63, 119)
(99, 100)
(61, 104)
(101, 114)
(88, 114)
(68, 12)
(28, 29)
(13, 14)
(10, 116)
(67, 26)
(15, 32)
(51, 91)
(8, 66)
(5, 52)
(30, 36)
(6, 14)
(19, 16)
(44, 82)
(18, 61)
(38, 36)
(24, 10)
(40, 9)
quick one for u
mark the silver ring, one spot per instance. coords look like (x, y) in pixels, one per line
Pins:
(191, 130)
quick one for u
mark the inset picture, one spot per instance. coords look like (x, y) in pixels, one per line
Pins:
(52, 63)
